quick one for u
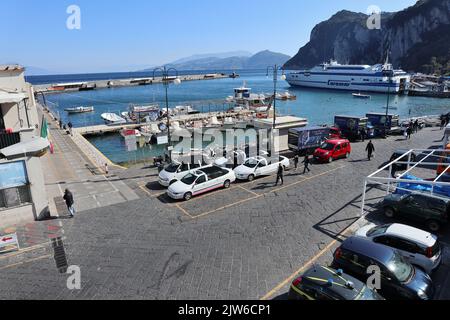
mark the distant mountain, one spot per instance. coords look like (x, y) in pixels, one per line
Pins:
(35, 71)
(258, 61)
(222, 55)
(417, 38)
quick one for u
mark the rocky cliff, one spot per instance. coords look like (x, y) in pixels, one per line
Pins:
(417, 37)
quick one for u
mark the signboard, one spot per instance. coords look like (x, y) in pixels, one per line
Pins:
(162, 140)
(13, 174)
(312, 138)
(131, 143)
(9, 242)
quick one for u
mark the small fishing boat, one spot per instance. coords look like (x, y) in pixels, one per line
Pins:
(361, 96)
(112, 119)
(130, 132)
(79, 110)
(285, 96)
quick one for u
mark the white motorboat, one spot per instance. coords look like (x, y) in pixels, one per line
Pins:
(79, 110)
(112, 118)
(244, 99)
(361, 96)
(229, 123)
(180, 110)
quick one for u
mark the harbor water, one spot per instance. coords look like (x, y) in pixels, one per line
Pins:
(318, 106)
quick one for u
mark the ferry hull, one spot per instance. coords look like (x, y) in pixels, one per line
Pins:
(347, 87)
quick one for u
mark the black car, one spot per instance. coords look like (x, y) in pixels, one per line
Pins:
(399, 279)
(422, 208)
(324, 283)
(397, 154)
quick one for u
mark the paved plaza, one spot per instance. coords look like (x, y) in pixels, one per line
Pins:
(248, 242)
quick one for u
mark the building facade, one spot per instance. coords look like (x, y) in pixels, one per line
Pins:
(23, 194)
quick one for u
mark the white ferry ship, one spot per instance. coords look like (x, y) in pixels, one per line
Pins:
(352, 77)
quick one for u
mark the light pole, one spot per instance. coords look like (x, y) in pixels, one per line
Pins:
(274, 69)
(389, 74)
(165, 79)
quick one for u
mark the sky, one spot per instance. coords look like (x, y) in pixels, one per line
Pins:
(118, 35)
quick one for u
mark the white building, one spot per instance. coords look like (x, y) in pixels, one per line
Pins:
(22, 188)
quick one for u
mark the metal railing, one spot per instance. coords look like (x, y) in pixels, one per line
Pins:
(8, 139)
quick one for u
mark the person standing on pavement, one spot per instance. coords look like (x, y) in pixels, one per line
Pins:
(296, 162)
(363, 134)
(408, 133)
(370, 150)
(416, 126)
(306, 162)
(70, 125)
(68, 198)
(106, 168)
(280, 175)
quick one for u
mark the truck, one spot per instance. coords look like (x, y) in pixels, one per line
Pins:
(305, 140)
(351, 126)
(260, 166)
(384, 125)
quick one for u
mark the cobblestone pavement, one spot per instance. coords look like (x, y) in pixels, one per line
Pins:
(243, 243)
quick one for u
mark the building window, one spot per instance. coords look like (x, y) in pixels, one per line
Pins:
(14, 185)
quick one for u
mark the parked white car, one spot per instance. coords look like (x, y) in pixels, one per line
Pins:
(260, 166)
(176, 171)
(201, 181)
(419, 247)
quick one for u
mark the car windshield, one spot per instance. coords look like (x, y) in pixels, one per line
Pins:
(172, 168)
(189, 179)
(399, 268)
(251, 163)
(367, 294)
(327, 146)
(377, 231)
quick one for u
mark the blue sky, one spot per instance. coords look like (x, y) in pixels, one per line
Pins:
(117, 35)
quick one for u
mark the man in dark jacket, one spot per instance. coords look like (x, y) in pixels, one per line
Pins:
(280, 175)
(296, 162)
(68, 198)
(370, 150)
(306, 162)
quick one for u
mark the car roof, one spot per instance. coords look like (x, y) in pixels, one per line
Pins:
(368, 248)
(336, 141)
(413, 234)
(317, 274)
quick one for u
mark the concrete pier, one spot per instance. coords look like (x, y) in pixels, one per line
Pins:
(117, 83)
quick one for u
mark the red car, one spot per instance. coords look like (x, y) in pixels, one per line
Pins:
(333, 149)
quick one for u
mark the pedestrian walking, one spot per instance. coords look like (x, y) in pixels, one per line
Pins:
(296, 162)
(416, 126)
(306, 162)
(408, 133)
(70, 125)
(106, 168)
(442, 122)
(370, 150)
(68, 198)
(280, 175)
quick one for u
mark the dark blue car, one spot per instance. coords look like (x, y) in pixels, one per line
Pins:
(399, 279)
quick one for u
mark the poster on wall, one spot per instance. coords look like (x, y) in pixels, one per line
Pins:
(13, 174)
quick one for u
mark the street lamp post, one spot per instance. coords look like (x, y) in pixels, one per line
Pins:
(387, 102)
(165, 79)
(274, 69)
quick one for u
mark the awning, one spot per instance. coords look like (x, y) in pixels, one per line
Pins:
(34, 147)
(10, 97)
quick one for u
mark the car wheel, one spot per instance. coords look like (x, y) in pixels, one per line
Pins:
(251, 177)
(330, 159)
(172, 182)
(188, 196)
(227, 184)
(433, 225)
(389, 212)
(347, 155)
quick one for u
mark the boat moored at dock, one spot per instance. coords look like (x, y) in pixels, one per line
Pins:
(76, 110)
(378, 78)
(113, 119)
